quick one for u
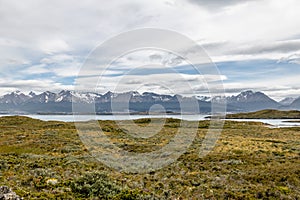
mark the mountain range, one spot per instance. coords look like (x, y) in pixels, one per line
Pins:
(61, 103)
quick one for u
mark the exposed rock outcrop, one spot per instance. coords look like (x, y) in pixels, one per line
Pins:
(7, 194)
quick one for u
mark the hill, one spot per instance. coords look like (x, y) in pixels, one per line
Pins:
(266, 114)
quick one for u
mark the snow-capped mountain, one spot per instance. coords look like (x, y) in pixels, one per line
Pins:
(252, 101)
(49, 97)
(287, 101)
(62, 101)
(204, 98)
(50, 102)
(31, 94)
(249, 96)
(14, 98)
(76, 97)
(150, 96)
(44, 97)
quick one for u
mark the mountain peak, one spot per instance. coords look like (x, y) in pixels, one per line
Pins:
(295, 103)
(17, 92)
(47, 93)
(149, 93)
(134, 93)
(64, 92)
(248, 100)
(252, 101)
(31, 94)
(287, 101)
(251, 94)
(247, 92)
(108, 93)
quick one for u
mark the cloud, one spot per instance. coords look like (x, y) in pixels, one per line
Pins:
(215, 4)
(270, 47)
(36, 69)
(54, 46)
(49, 40)
(277, 80)
(178, 83)
(8, 85)
(58, 58)
(293, 58)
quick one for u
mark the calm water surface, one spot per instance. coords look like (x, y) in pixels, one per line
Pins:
(275, 123)
(71, 118)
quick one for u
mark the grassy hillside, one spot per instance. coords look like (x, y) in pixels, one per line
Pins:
(294, 121)
(46, 160)
(266, 114)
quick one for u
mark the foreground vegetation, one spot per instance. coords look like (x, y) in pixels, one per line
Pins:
(46, 160)
(266, 114)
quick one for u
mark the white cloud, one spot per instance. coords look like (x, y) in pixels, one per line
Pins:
(277, 88)
(60, 26)
(60, 65)
(36, 69)
(58, 58)
(169, 83)
(54, 46)
(9, 85)
(293, 58)
(55, 36)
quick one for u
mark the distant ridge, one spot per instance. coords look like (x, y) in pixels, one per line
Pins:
(287, 101)
(61, 102)
(252, 101)
(296, 103)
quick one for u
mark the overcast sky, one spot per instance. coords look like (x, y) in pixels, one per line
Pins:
(254, 43)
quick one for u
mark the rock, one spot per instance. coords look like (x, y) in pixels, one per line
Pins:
(52, 181)
(7, 194)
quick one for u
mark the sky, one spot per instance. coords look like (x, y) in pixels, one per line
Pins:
(255, 45)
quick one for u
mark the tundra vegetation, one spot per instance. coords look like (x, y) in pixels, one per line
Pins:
(47, 160)
(266, 114)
